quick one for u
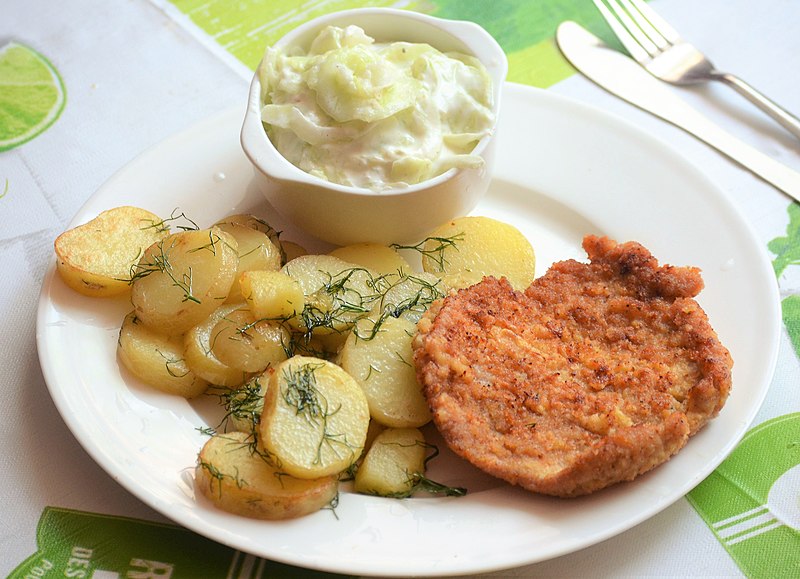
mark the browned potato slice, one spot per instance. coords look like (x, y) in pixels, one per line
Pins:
(239, 341)
(200, 356)
(157, 359)
(237, 479)
(381, 360)
(466, 249)
(315, 418)
(96, 258)
(392, 462)
(181, 279)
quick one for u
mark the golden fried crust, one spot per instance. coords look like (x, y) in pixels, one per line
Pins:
(595, 374)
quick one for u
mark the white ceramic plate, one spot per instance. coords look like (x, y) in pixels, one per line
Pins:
(563, 170)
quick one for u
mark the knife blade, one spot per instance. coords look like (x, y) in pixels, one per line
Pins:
(623, 77)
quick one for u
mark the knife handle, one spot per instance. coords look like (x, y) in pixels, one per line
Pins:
(773, 172)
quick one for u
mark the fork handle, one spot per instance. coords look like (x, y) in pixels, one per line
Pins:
(790, 122)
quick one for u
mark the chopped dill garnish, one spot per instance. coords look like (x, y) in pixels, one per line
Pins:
(171, 363)
(220, 476)
(333, 504)
(160, 263)
(243, 404)
(342, 298)
(423, 483)
(164, 224)
(300, 393)
(436, 253)
(418, 482)
(414, 296)
(349, 473)
(211, 246)
(206, 430)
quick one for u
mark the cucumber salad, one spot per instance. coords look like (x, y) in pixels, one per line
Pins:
(374, 115)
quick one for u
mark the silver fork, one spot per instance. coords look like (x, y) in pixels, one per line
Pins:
(663, 53)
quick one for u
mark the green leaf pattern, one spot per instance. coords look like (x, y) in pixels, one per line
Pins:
(787, 253)
(787, 248)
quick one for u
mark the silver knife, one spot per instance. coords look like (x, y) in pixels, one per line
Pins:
(626, 79)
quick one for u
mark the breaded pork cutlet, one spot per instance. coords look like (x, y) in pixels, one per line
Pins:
(593, 375)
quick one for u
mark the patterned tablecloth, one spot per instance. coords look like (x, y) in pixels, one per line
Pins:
(118, 77)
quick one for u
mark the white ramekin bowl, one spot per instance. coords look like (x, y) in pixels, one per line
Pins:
(342, 215)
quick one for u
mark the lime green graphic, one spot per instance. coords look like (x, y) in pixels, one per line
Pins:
(245, 28)
(790, 308)
(753, 504)
(523, 28)
(787, 253)
(78, 544)
(787, 248)
(32, 95)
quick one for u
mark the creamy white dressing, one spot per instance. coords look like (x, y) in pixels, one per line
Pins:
(374, 115)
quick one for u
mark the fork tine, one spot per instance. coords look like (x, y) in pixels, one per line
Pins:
(635, 42)
(657, 22)
(634, 9)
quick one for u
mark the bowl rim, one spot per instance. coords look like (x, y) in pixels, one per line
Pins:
(262, 152)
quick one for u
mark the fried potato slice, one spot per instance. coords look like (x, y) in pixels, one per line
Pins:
(379, 258)
(234, 476)
(392, 464)
(288, 249)
(252, 222)
(181, 279)
(157, 359)
(315, 418)
(464, 250)
(336, 292)
(256, 253)
(95, 259)
(241, 341)
(200, 356)
(271, 295)
(381, 359)
(407, 295)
